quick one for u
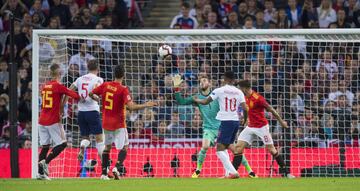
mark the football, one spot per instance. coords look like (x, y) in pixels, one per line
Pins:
(164, 50)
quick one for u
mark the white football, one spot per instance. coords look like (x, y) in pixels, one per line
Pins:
(164, 50)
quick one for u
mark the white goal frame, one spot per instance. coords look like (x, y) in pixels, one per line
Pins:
(104, 33)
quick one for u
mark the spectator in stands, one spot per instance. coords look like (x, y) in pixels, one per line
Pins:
(252, 8)
(25, 107)
(194, 129)
(283, 22)
(61, 10)
(249, 23)
(17, 7)
(73, 7)
(270, 13)
(297, 103)
(242, 13)
(309, 16)
(4, 74)
(351, 8)
(212, 22)
(86, 19)
(54, 23)
(327, 122)
(341, 89)
(162, 131)
(294, 12)
(26, 144)
(260, 23)
(81, 59)
(198, 8)
(149, 120)
(232, 21)
(341, 20)
(37, 9)
(342, 117)
(72, 74)
(326, 14)
(4, 109)
(185, 20)
(328, 64)
(223, 11)
(138, 131)
(26, 132)
(177, 130)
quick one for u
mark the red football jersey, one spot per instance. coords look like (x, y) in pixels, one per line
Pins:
(114, 98)
(256, 104)
(51, 94)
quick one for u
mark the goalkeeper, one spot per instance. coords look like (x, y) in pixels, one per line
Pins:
(210, 124)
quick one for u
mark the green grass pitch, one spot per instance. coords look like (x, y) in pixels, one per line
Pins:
(183, 184)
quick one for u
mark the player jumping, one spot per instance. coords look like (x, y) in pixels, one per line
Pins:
(50, 127)
(115, 99)
(258, 126)
(210, 124)
(229, 98)
(89, 115)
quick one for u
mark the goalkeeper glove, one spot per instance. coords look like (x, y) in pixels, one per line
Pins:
(177, 80)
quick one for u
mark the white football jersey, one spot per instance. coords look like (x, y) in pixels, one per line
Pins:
(85, 84)
(229, 98)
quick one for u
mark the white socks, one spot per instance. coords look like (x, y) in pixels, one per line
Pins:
(84, 143)
(225, 159)
(100, 148)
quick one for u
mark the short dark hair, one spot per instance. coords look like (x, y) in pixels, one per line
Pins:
(54, 69)
(92, 65)
(229, 75)
(186, 5)
(244, 84)
(119, 71)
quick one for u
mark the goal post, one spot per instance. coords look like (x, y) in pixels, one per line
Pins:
(311, 76)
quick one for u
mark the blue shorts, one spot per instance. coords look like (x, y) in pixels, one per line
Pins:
(89, 123)
(227, 132)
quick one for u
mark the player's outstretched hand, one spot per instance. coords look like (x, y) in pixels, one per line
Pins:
(151, 104)
(176, 80)
(284, 124)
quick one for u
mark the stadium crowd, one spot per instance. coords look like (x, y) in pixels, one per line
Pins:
(314, 85)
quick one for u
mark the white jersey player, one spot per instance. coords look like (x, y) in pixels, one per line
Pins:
(89, 116)
(230, 99)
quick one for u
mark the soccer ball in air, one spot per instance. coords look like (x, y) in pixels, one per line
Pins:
(164, 50)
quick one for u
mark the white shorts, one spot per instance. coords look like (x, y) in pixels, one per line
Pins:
(54, 133)
(119, 137)
(250, 133)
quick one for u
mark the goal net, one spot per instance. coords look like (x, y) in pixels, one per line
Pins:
(311, 77)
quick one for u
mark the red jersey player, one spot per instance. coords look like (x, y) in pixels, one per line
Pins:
(258, 126)
(115, 99)
(50, 128)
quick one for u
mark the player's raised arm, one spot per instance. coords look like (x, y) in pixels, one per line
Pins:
(270, 109)
(176, 85)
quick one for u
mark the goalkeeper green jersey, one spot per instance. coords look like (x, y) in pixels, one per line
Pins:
(208, 112)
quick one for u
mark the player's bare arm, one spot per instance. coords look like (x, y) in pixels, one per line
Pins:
(245, 114)
(94, 96)
(203, 101)
(133, 106)
(270, 109)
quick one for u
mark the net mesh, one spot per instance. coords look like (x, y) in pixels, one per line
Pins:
(311, 80)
